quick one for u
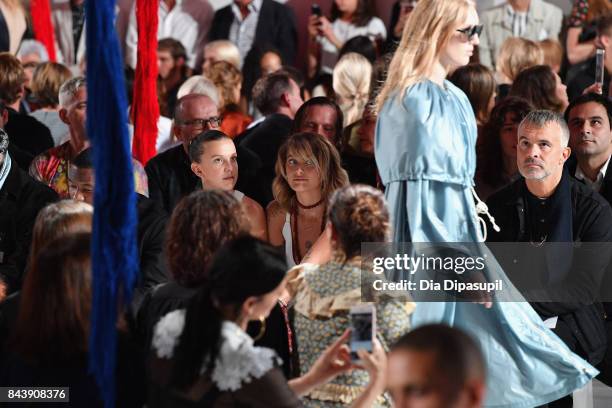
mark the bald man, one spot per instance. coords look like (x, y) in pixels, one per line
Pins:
(169, 173)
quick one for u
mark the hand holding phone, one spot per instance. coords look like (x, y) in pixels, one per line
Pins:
(363, 329)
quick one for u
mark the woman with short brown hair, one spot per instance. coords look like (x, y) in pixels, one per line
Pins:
(308, 171)
(542, 87)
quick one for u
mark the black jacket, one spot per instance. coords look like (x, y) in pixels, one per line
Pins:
(28, 134)
(170, 177)
(580, 324)
(152, 222)
(264, 140)
(21, 198)
(276, 29)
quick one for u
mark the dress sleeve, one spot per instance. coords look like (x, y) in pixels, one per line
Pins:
(579, 12)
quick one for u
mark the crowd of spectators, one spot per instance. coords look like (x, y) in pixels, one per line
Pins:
(252, 213)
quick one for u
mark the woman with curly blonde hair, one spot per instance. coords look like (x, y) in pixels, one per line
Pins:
(228, 80)
(308, 171)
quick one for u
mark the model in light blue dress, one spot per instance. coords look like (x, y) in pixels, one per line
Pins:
(426, 156)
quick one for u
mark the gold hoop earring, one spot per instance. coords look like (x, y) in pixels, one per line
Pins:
(262, 328)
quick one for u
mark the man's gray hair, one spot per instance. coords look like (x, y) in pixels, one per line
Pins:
(28, 47)
(541, 118)
(199, 84)
(69, 89)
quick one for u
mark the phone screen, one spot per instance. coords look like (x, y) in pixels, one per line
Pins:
(361, 333)
(599, 66)
(316, 10)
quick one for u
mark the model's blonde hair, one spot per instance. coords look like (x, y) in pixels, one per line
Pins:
(352, 77)
(226, 51)
(430, 26)
(517, 54)
(325, 157)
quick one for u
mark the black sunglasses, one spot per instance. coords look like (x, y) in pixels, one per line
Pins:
(471, 31)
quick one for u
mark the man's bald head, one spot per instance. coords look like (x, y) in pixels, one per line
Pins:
(194, 113)
(190, 101)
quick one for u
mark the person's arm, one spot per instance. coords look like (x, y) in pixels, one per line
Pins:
(376, 366)
(577, 51)
(257, 218)
(276, 220)
(333, 361)
(314, 47)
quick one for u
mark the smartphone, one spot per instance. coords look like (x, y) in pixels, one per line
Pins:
(599, 66)
(363, 329)
(316, 10)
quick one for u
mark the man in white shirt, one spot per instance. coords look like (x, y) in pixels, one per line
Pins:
(187, 21)
(532, 19)
(589, 121)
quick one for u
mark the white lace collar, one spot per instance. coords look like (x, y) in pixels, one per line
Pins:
(239, 361)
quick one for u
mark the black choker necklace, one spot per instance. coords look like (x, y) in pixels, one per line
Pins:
(308, 207)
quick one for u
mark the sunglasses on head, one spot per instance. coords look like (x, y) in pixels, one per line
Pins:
(471, 31)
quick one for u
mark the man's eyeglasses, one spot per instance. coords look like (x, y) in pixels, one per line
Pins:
(199, 124)
(471, 31)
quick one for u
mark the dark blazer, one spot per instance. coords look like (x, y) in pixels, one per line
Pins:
(21, 198)
(170, 178)
(581, 317)
(606, 185)
(27, 133)
(276, 29)
(264, 140)
(152, 222)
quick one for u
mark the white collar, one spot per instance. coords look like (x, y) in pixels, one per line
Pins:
(238, 362)
(253, 7)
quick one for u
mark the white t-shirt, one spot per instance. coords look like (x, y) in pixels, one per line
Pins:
(344, 31)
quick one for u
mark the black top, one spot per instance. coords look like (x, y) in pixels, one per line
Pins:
(361, 169)
(264, 140)
(269, 391)
(152, 222)
(130, 376)
(21, 198)
(27, 133)
(158, 302)
(170, 177)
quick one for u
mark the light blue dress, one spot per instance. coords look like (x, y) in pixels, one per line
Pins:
(426, 156)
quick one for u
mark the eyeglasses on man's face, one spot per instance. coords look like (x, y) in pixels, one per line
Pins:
(471, 31)
(199, 124)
